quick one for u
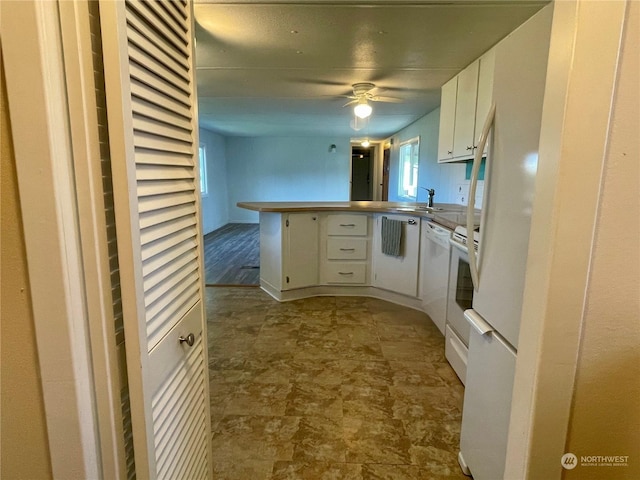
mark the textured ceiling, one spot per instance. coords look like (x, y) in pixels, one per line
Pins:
(282, 69)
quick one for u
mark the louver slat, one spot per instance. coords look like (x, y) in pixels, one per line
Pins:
(157, 112)
(154, 142)
(159, 312)
(159, 98)
(165, 270)
(158, 216)
(153, 127)
(155, 81)
(160, 41)
(149, 204)
(174, 245)
(149, 63)
(154, 157)
(152, 15)
(153, 187)
(173, 9)
(146, 46)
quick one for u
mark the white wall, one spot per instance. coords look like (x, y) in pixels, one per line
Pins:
(278, 169)
(444, 178)
(215, 205)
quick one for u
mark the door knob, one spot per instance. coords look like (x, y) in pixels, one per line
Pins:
(189, 339)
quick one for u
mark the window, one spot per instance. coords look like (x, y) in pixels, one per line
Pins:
(203, 169)
(408, 171)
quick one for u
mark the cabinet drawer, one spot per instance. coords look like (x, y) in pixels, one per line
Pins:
(346, 249)
(347, 224)
(456, 353)
(346, 273)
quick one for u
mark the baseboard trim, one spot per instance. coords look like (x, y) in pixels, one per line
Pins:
(342, 291)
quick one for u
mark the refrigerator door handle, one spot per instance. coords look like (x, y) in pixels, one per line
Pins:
(477, 322)
(475, 169)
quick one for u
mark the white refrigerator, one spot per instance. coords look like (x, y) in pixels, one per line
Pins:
(498, 270)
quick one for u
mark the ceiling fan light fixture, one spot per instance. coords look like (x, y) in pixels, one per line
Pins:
(362, 109)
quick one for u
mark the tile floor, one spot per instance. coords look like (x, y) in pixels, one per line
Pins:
(342, 388)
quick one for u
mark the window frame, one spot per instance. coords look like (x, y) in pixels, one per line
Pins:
(404, 193)
(202, 163)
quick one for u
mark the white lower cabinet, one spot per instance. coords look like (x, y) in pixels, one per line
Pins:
(345, 240)
(288, 250)
(300, 255)
(326, 249)
(397, 274)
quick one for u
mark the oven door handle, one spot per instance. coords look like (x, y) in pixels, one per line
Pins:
(471, 198)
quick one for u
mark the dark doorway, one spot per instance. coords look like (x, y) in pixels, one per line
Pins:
(361, 173)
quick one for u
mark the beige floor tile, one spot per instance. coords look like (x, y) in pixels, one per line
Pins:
(230, 469)
(363, 372)
(319, 439)
(316, 471)
(255, 437)
(315, 400)
(376, 440)
(258, 399)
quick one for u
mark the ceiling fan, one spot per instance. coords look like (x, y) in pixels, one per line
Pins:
(362, 95)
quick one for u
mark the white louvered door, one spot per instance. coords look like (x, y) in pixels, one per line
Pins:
(150, 90)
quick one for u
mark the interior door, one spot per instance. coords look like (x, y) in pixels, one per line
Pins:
(150, 91)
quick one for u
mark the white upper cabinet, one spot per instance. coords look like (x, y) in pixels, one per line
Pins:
(465, 102)
(447, 119)
(465, 111)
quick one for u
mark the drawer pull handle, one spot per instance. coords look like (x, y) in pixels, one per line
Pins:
(411, 221)
(345, 273)
(347, 249)
(347, 224)
(189, 339)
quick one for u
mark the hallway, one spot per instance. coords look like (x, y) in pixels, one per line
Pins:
(329, 388)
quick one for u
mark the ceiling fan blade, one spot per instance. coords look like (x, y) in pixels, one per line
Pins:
(311, 81)
(350, 103)
(378, 98)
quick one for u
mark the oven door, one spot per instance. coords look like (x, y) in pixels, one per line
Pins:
(460, 293)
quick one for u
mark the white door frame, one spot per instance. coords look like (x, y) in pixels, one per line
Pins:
(58, 167)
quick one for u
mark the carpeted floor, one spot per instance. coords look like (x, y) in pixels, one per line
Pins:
(329, 388)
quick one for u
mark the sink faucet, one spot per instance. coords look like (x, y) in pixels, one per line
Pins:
(431, 192)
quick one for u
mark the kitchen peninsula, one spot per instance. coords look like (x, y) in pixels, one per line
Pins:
(335, 248)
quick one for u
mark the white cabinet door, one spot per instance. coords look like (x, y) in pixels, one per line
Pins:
(447, 119)
(466, 111)
(398, 274)
(150, 90)
(485, 93)
(301, 250)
